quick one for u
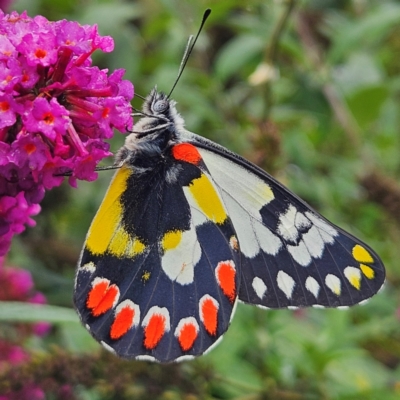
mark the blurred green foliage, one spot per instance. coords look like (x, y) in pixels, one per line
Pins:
(310, 91)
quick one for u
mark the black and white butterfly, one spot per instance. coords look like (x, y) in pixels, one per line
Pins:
(187, 229)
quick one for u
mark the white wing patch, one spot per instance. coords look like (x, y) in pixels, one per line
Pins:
(285, 283)
(286, 227)
(252, 193)
(198, 217)
(312, 286)
(269, 242)
(303, 247)
(244, 195)
(180, 258)
(259, 287)
(327, 231)
(333, 283)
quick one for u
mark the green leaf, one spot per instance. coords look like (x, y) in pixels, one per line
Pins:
(353, 373)
(348, 75)
(76, 338)
(368, 30)
(236, 54)
(366, 103)
(27, 312)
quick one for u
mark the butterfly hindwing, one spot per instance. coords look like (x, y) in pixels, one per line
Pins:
(290, 255)
(159, 274)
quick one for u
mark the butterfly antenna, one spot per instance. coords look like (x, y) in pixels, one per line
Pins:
(189, 49)
(140, 97)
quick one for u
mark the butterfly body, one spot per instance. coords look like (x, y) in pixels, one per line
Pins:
(188, 228)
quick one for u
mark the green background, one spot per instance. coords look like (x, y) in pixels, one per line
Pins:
(310, 91)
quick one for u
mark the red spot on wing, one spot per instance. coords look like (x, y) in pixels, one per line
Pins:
(209, 314)
(187, 335)
(154, 331)
(186, 152)
(226, 273)
(122, 323)
(102, 297)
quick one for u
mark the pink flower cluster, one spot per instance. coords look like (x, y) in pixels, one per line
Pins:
(56, 109)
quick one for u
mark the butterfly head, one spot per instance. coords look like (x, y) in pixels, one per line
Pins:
(158, 112)
(159, 126)
(157, 104)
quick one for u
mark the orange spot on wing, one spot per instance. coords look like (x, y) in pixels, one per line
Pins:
(154, 331)
(187, 336)
(122, 322)
(209, 312)
(102, 297)
(186, 152)
(226, 274)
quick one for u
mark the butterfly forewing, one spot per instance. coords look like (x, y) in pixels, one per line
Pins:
(291, 256)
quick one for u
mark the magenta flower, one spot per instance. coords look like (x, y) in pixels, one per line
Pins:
(56, 109)
(47, 117)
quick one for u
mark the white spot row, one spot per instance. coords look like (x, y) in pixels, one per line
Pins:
(286, 283)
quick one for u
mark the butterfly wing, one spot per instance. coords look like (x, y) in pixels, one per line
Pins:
(159, 273)
(290, 255)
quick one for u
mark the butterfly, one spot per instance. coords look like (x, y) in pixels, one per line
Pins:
(187, 229)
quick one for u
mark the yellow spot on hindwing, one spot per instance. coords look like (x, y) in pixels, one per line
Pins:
(171, 240)
(361, 255)
(207, 199)
(367, 271)
(106, 232)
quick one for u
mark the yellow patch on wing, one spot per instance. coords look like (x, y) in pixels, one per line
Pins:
(136, 248)
(353, 275)
(171, 240)
(146, 276)
(367, 271)
(108, 216)
(123, 244)
(362, 255)
(119, 243)
(106, 232)
(208, 199)
(265, 192)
